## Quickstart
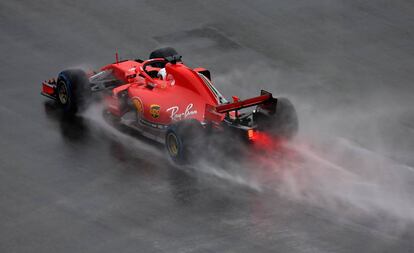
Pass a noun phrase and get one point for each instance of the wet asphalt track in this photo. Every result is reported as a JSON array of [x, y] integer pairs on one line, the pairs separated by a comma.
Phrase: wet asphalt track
[[75, 186]]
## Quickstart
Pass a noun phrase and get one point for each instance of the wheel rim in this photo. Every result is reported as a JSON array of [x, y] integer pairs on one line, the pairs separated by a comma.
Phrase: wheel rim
[[63, 93], [172, 144]]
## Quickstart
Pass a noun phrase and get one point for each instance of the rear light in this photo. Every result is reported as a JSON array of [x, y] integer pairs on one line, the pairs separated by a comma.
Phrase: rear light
[[250, 134], [261, 139]]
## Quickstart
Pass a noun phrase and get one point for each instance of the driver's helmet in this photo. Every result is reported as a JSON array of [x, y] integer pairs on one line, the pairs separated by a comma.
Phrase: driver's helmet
[[162, 74]]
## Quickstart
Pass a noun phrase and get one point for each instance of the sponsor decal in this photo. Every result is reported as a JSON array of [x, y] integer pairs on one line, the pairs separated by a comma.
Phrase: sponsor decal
[[138, 104], [175, 115], [155, 111]]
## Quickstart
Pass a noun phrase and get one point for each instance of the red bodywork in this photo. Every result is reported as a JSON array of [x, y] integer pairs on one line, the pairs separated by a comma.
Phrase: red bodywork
[[184, 94]]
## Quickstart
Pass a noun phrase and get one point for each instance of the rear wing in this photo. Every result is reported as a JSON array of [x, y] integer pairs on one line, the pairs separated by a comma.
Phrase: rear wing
[[266, 102], [265, 99]]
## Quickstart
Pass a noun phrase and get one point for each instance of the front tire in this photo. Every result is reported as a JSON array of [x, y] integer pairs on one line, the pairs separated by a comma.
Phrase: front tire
[[163, 52], [73, 90]]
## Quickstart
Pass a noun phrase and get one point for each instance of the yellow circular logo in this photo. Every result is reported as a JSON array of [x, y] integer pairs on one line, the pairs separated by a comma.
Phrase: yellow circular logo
[[155, 111]]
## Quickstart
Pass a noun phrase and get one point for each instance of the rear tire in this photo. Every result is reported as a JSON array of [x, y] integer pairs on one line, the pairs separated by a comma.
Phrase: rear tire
[[183, 141], [73, 90], [283, 123]]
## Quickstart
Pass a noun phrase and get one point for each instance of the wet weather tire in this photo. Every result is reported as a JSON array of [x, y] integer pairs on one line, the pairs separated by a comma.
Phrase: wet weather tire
[[283, 123], [163, 52], [73, 90], [183, 141]]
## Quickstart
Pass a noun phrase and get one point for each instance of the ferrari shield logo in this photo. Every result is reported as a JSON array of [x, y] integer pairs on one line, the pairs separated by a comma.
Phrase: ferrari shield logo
[[138, 105], [155, 111]]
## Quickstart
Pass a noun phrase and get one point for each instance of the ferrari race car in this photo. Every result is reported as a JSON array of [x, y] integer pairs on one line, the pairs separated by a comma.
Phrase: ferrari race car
[[167, 101]]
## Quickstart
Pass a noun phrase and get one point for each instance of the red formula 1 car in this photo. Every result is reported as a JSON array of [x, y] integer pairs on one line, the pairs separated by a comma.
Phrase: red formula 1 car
[[167, 101]]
